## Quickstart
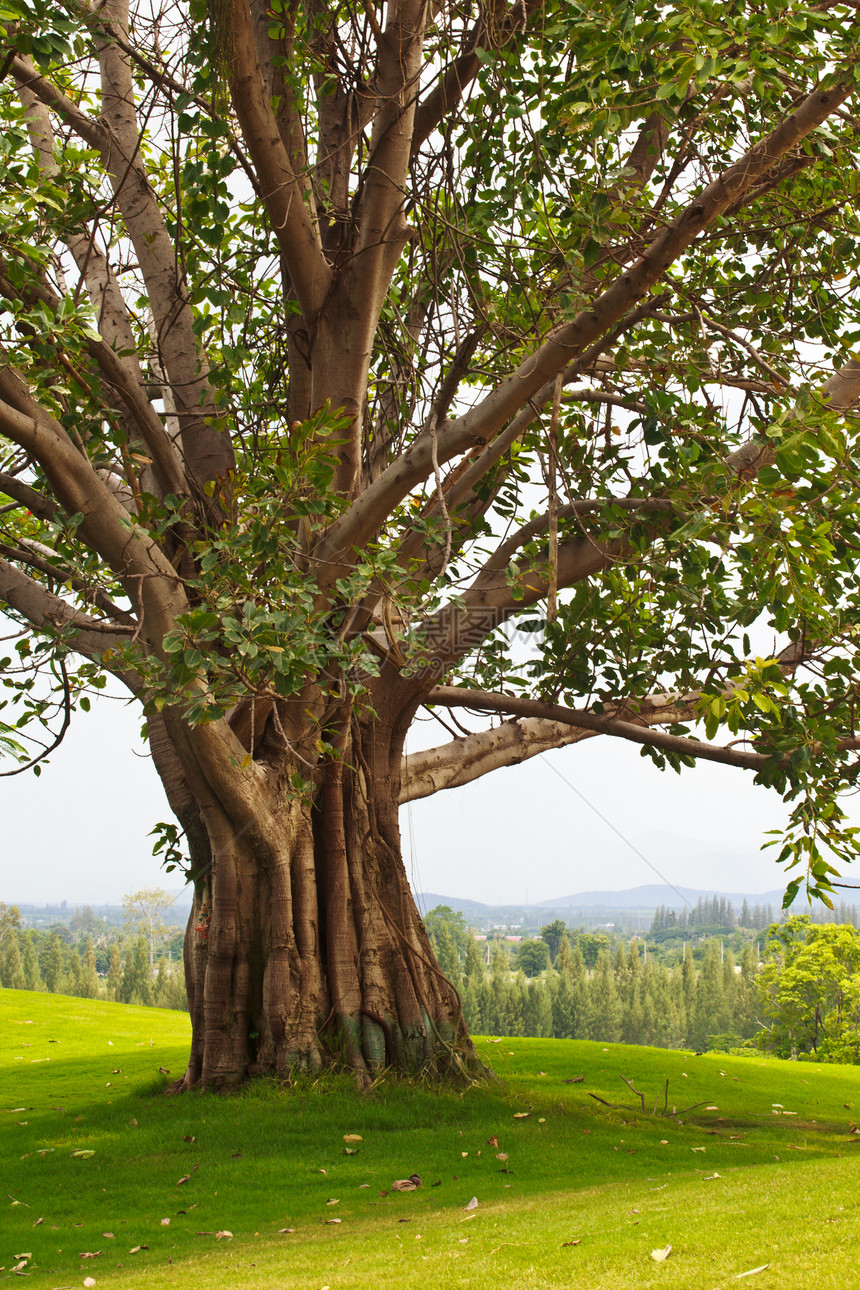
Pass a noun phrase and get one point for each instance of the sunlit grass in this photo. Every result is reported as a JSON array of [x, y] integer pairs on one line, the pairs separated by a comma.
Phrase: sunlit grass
[[584, 1195]]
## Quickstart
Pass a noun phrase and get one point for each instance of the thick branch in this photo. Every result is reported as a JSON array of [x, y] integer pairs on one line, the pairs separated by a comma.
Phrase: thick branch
[[469, 757], [382, 230], [48, 612], [37, 504], [146, 573], [483, 423], [840, 392], [40, 558], [465, 759], [117, 353], [122, 373], [207, 450], [495, 594], [115, 136], [286, 195], [85, 127]]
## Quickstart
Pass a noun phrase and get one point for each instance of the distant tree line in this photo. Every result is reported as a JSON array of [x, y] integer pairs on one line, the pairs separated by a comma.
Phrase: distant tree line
[[794, 991], [584, 985], [718, 912], [710, 912], [798, 998], [93, 962]]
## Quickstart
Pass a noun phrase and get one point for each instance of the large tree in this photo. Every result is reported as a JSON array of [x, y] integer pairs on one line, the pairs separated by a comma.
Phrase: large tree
[[342, 338]]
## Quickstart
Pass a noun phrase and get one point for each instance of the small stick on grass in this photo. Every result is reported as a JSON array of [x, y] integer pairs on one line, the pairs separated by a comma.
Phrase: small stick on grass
[[641, 1096]]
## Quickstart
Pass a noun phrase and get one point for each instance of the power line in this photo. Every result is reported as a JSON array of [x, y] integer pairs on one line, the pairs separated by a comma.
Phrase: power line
[[618, 833]]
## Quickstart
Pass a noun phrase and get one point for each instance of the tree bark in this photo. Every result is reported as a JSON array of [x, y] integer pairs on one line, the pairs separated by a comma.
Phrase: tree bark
[[304, 947]]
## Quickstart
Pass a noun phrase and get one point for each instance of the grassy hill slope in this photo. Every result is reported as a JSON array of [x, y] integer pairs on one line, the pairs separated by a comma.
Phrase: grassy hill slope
[[570, 1191]]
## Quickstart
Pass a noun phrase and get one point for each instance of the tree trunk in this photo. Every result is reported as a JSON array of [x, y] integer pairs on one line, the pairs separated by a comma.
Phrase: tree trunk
[[304, 947]]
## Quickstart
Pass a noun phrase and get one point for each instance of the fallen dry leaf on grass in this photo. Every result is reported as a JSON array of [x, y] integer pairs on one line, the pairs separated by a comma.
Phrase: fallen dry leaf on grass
[[751, 1273], [224, 1235], [660, 1256], [333, 1220], [521, 1115], [352, 1137], [412, 1183], [565, 1244], [87, 1254], [89, 1281], [473, 1203], [283, 1231], [165, 1222], [493, 1141]]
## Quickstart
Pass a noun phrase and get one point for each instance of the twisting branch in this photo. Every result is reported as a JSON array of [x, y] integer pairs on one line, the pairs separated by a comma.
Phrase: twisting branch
[[486, 701], [483, 701], [453, 82], [61, 733]]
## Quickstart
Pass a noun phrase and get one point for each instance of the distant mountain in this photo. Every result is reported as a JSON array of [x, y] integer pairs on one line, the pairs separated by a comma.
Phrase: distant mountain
[[643, 900], [654, 894], [468, 908]]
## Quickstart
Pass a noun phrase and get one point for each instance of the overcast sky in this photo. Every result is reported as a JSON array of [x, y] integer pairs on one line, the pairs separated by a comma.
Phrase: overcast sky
[[79, 832]]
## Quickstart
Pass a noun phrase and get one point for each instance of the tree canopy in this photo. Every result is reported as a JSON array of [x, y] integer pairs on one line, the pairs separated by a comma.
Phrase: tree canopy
[[342, 344]]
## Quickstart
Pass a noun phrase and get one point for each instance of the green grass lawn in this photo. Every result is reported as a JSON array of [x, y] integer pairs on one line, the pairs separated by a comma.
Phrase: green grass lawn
[[576, 1193]]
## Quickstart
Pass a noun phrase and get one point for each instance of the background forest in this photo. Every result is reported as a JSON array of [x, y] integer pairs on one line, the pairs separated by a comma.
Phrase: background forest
[[703, 979]]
